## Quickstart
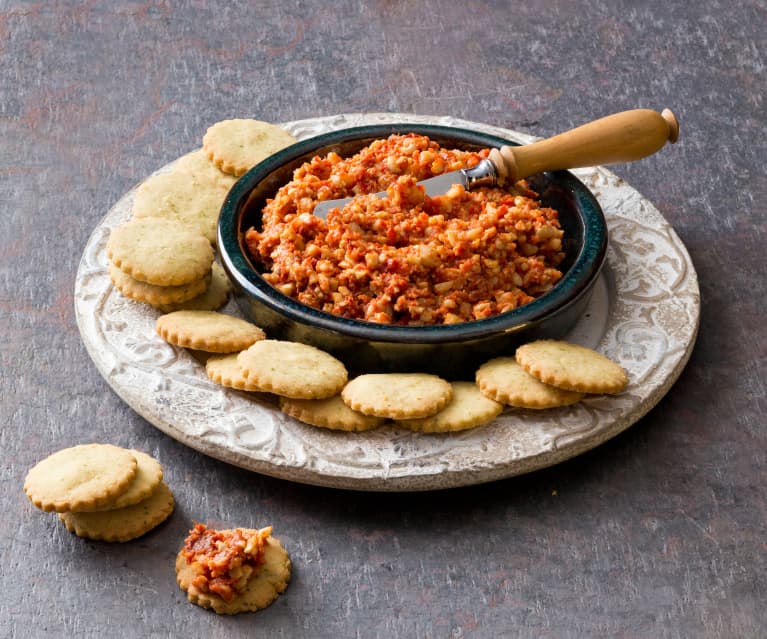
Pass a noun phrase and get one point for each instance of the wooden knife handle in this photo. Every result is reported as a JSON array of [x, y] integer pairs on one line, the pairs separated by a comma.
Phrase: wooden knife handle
[[621, 137]]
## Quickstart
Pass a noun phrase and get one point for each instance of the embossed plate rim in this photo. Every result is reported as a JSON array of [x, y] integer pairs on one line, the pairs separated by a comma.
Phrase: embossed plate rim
[[169, 388]]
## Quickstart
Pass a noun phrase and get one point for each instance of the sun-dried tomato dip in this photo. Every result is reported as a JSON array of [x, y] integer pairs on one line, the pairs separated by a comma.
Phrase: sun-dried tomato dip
[[224, 560], [407, 258]]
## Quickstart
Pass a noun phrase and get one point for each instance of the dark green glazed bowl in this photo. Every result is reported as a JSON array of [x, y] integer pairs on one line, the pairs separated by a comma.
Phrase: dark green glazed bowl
[[453, 351]]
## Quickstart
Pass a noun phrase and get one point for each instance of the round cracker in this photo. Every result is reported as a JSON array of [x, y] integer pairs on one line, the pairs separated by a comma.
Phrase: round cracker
[[269, 581], [160, 251], [211, 299], [571, 367], [330, 413], [80, 478], [208, 331], [226, 371], [122, 524], [192, 200], [397, 395], [198, 164], [505, 381], [152, 294], [236, 145], [468, 408], [292, 369]]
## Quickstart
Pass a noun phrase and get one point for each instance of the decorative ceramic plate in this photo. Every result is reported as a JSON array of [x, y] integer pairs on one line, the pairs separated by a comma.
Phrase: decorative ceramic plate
[[644, 314]]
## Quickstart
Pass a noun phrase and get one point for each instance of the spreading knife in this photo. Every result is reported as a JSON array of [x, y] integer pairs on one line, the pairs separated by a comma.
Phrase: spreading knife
[[620, 137]]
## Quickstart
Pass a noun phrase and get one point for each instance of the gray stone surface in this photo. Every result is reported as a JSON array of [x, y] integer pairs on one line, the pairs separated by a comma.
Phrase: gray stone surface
[[659, 532]]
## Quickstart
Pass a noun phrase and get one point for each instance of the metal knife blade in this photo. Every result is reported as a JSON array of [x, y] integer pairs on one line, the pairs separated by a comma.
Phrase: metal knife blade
[[484, 174]]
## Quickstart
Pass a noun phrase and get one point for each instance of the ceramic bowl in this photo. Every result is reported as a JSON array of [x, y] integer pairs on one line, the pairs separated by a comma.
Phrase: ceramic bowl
[[453, 351]]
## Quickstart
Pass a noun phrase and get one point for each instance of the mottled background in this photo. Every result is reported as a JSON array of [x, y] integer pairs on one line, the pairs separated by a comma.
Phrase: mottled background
[[658, 533]]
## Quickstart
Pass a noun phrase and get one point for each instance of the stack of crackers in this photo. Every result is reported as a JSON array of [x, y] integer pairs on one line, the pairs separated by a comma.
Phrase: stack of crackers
[[164, 255], [101, 491]]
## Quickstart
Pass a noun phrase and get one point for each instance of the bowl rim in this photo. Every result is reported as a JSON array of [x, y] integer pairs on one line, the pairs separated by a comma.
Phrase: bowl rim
[[575, 282]]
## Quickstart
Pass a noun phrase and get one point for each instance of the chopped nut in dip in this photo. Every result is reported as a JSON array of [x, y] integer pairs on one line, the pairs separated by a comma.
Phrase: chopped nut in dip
[[224, 560], [406, 259]]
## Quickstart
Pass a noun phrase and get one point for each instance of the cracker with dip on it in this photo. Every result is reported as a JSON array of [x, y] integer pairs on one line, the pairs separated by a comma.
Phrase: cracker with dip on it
[[101, 491], [233, 570]]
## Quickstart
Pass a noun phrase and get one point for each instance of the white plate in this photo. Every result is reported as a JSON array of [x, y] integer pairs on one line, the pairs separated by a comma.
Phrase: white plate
[[644, 314]]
